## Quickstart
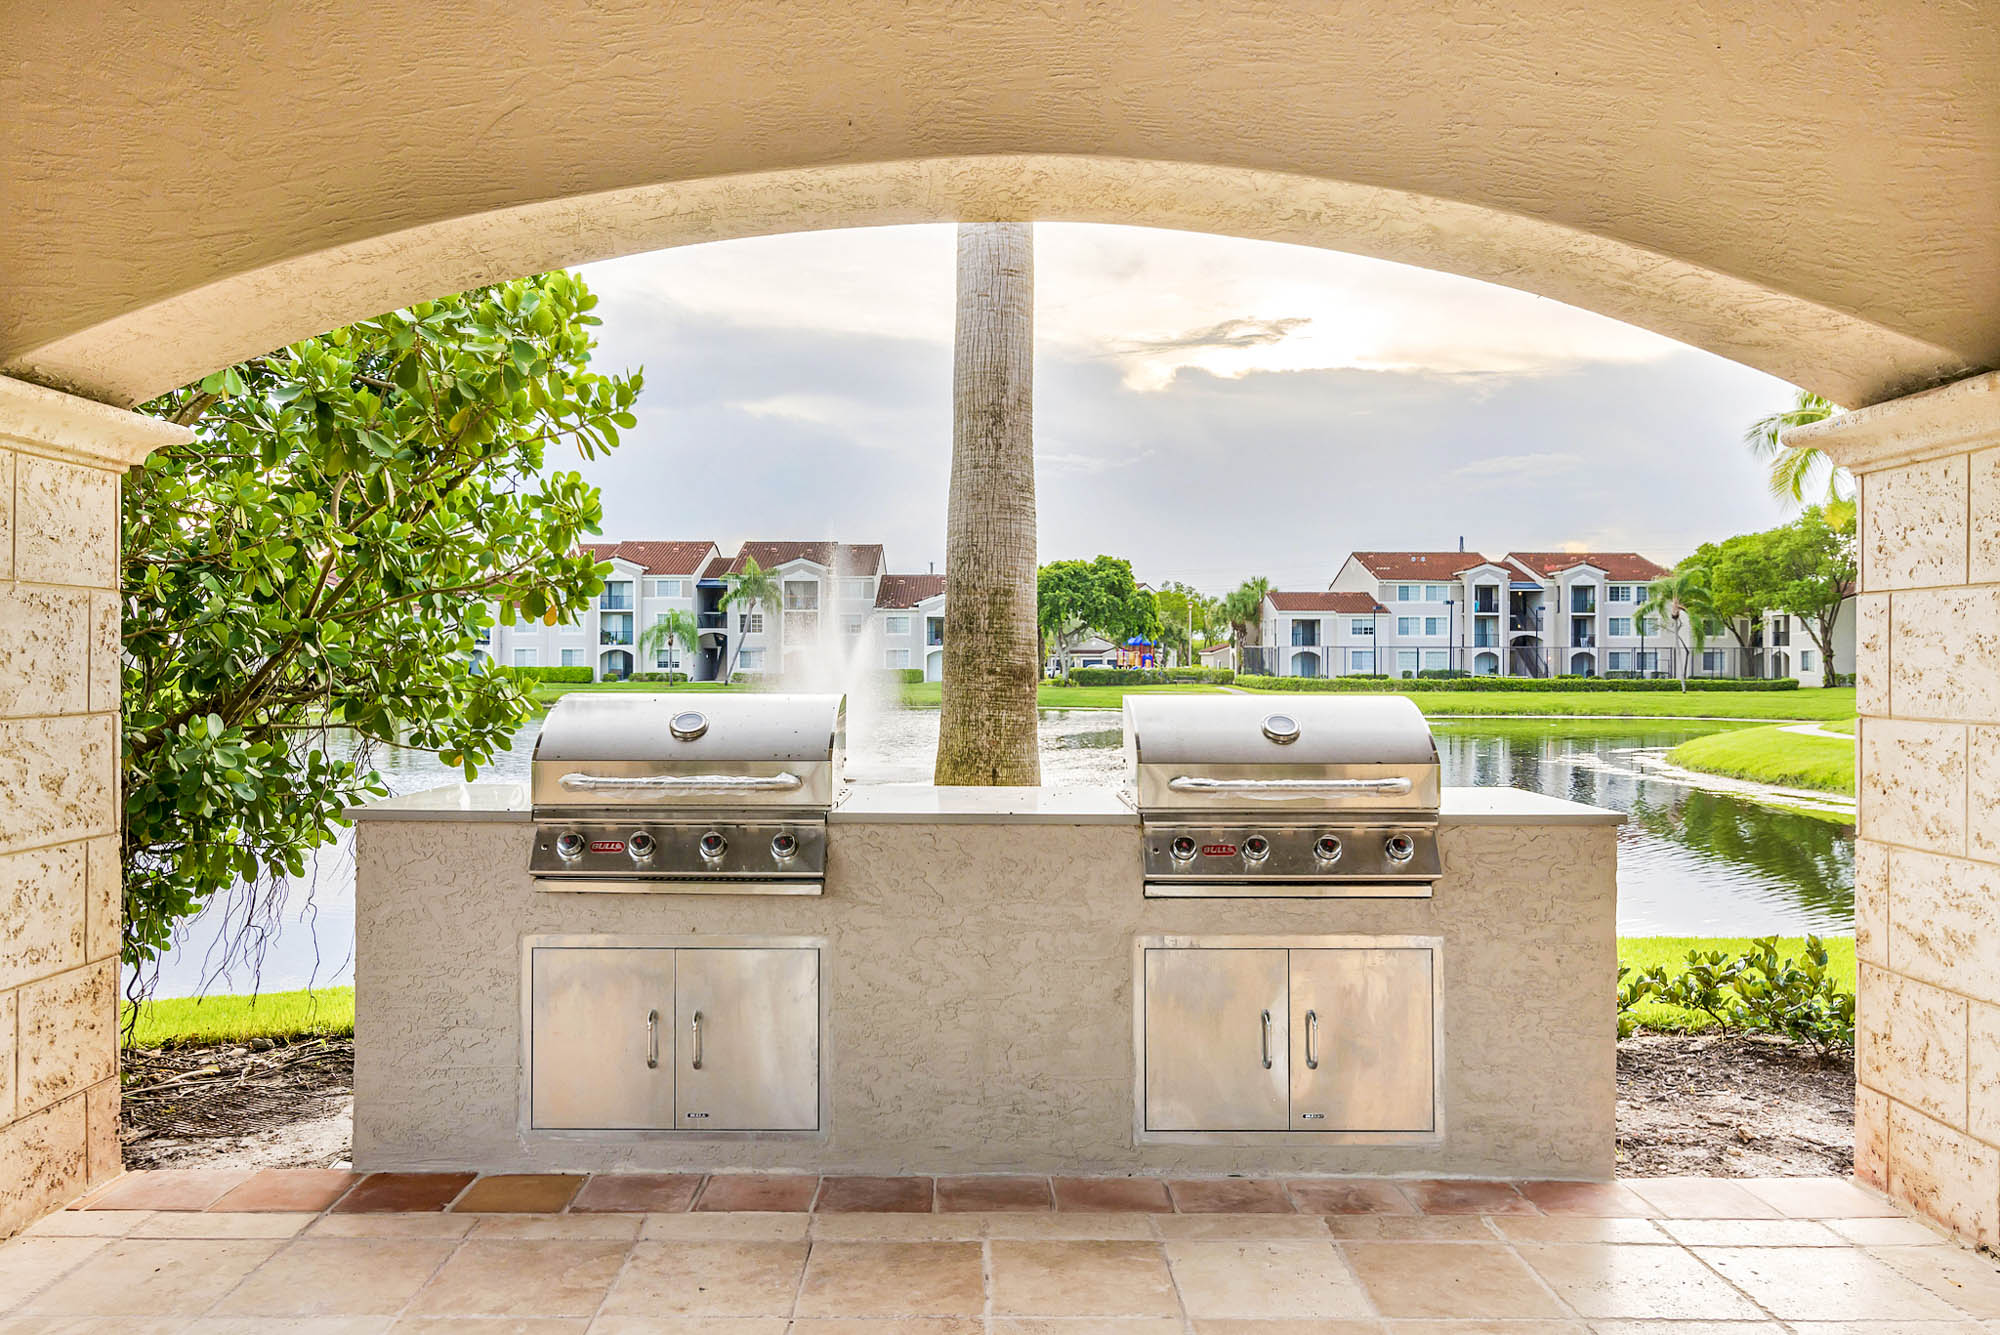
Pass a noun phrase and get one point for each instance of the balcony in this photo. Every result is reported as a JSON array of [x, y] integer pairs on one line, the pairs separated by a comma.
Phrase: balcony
[[1582, 640], [711, 621], [1530, 622], [620, 601], [609, 635], [1583, 602], [1485, 638], [1483, 606]]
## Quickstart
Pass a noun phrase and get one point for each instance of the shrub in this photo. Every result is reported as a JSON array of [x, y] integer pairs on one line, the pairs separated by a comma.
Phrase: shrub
[[1756, 992], [1443, 674], [909, 676], [554, 674], [1149, 676], [1553, 684], [668, 677]]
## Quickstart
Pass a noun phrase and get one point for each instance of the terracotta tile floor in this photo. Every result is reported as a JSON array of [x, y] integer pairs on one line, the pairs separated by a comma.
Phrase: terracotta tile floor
[[212, 1253]]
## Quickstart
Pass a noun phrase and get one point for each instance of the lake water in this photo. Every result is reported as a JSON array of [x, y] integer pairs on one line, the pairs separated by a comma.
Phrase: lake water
[[1691, 861]]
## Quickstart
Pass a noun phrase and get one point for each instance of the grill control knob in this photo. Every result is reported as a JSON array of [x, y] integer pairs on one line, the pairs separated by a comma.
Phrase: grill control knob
[[1256, 848], [1399, 847], [713, 845], [1327, 848], [640, 845], [1182, 848], [784, 847], [569, 844]]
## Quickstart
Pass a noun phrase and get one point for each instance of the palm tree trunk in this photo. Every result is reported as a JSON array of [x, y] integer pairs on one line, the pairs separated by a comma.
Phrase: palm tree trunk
[[986, 734]]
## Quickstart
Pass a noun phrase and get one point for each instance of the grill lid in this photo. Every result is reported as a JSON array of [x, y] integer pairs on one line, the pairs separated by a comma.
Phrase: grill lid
[[754, 749], [1316, 752]]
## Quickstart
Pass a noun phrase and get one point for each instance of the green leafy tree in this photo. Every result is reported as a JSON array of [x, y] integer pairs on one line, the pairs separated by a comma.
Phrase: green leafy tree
[[1243, 609], [322, 558], [754, 589], [1813, 570], [1682, 600], [1741, 582], [1796, 469], [1186, 616], [671, 633], [1073, 598]]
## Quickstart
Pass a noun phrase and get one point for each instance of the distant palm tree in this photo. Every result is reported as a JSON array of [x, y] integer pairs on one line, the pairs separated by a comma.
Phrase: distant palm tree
[[987, 726], [1682, 600], [1243, 609], [1794, 467], [758, 590], [675, 629]]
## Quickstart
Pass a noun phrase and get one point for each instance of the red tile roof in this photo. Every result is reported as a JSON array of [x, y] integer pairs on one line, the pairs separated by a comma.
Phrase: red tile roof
[[1615, 565], [842, 558], [717, 567], [908, 590], [1358, 603], [1418, 565], [655, 558]]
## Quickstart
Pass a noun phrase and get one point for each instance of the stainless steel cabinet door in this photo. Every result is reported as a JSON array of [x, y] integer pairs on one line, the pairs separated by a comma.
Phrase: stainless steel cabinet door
[[601, 1044], [1215, 1040], [747, 1023], [1362, 1033]]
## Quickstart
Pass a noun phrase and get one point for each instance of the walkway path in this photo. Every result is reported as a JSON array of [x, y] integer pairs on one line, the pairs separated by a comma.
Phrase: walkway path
[[996, 1256]]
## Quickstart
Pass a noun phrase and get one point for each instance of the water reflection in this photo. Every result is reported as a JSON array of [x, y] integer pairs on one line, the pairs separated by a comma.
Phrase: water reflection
[[1690, 862]]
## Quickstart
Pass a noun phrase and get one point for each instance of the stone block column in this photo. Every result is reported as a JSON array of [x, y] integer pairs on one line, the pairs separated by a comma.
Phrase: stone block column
[[60, 461], [1927, 870]]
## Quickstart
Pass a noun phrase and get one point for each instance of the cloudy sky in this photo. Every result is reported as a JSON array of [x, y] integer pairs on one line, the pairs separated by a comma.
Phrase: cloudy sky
[[1210, 408]]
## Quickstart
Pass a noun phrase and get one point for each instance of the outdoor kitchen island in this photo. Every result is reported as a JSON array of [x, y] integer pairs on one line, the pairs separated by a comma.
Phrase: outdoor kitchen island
[[968, 994]]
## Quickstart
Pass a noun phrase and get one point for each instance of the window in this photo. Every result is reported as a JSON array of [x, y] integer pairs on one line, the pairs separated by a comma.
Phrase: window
[[1619, 593], [1408, 625], [1360, 627], [801, 595], [1436, 593], [933, 630], [1620, 660], [895, 659], [572, 658], [899, 625], [851, 624], [751, 660], [1781, 632], [1433, 625], [1621, 625], [750, 623], [669, 588], [617, 596], [524, 658], [857, 588], [1406, 661], [1807, 661], [1406, 593], [1305, 633], [1437, 658], [1583, 598], [1360, 660], [1711, 660], [1649, 661]]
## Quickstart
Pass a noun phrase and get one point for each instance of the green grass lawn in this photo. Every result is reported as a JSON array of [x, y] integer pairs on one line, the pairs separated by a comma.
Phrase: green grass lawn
[[330, 1010], [202, 1020], [1801, 705], [1844, 726], [546, 693], [929, 694], [1772, 755], [1642, 952]]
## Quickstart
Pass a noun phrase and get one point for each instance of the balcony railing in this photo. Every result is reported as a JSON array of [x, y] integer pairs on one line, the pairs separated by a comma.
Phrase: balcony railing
[[614, 602], [1525, 621], [1485, 639], [711, 620], [1485, 607], [1583, 606], [1577, 641], [607, 636]]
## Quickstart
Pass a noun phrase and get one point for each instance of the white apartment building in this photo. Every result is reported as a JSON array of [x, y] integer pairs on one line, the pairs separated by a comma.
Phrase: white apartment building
[[835, 607], [1526, 614]]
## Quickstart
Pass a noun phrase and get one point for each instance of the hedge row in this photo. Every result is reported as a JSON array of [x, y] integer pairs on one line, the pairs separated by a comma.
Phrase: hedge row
[[1149, 676], [558, 674], [1377, 684]]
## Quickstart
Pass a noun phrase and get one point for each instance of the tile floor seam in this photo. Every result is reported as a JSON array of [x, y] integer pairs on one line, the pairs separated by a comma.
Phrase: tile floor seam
[[630, 1251], [1513, 1249], [1742, 1292], [985, 1277], [1347, 1263], [104, 1244], [404, 1312], [1174, 1279], [242, 1279]]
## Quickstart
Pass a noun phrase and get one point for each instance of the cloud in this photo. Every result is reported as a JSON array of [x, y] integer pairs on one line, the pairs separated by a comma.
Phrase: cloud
[[1234, 333], [1509, 465]]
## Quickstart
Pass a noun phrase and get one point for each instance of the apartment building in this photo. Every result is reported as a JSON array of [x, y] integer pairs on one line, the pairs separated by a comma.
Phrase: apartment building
[[835, 606]]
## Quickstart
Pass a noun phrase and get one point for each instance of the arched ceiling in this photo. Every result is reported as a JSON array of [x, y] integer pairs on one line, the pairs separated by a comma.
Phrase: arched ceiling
[[1811, 187]]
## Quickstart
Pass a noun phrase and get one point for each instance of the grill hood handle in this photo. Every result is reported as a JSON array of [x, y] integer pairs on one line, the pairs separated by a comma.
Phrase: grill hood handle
[[782, 782], [1188, 783]]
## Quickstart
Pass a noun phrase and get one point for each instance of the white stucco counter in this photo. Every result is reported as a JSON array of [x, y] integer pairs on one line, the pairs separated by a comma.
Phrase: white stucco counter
[[980, 967]]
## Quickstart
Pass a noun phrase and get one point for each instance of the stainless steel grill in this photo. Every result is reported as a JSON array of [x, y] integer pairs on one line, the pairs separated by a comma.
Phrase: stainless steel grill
[[1284, 795], [716, 794]]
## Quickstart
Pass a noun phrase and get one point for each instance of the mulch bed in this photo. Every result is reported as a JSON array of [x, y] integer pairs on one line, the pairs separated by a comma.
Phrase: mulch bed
[[1732, 1106], [1707, 1105]]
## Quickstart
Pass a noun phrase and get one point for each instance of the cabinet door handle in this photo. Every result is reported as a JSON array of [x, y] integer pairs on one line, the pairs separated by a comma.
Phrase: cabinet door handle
[[1312, 1040], [695, 1025], [1266, 1027], [652, 1040]]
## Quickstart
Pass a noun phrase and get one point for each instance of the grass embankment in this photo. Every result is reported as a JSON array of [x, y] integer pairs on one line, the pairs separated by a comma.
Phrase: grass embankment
[[1774, 756], [1806, 705], [546, 693], [930, 694], [202, 1020], [330, 1010], [1642, 952]]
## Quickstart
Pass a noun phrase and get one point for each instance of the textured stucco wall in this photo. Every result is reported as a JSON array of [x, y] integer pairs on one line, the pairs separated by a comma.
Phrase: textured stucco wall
[[59, 868], [981, 1006], [1927, 868], [1809, 186]]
